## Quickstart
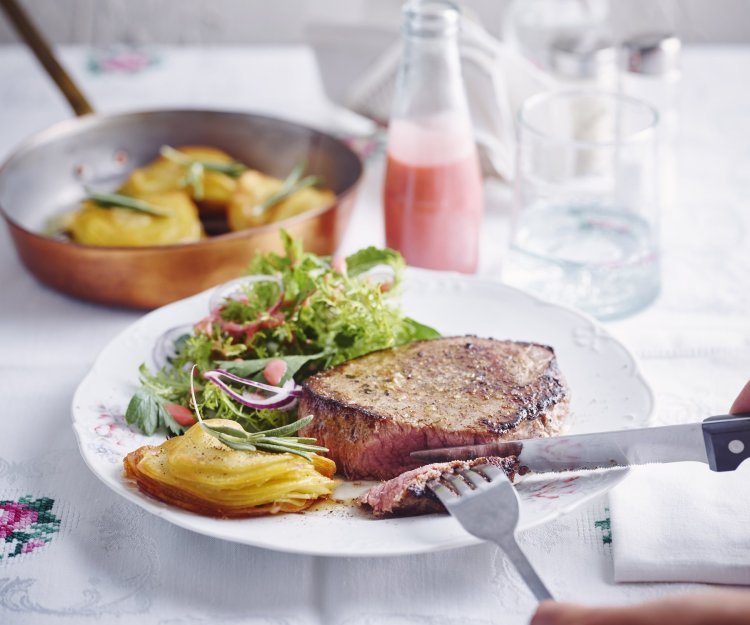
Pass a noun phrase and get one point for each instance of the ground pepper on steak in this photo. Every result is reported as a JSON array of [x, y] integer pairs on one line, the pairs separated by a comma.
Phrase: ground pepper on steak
[[373, 411]]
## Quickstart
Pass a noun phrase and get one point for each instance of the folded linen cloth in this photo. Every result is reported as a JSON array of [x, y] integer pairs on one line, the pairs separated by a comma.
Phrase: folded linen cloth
[[681, 522]]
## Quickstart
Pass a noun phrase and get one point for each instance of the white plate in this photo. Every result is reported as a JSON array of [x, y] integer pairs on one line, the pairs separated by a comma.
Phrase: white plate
[[607, 392]]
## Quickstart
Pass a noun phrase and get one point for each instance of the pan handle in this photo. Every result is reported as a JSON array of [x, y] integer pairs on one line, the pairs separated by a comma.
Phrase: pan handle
[[29, 33]]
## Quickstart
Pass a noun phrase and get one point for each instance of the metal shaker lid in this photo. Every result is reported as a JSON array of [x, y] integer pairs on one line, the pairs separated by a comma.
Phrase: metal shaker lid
[[653, 54], [588, 55]]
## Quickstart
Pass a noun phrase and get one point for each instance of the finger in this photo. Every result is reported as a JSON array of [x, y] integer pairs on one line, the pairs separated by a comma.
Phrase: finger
[[742, 403], [710, 608], [550, 613], [553, 613]]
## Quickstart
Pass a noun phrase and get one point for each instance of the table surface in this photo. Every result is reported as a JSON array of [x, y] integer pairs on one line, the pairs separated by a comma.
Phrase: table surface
[[106, 560]]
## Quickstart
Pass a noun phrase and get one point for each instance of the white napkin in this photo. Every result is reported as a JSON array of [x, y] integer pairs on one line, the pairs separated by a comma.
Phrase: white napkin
[[682, 522]]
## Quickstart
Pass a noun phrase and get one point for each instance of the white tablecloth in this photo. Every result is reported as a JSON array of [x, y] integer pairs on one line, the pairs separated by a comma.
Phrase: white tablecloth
[[97, 558]]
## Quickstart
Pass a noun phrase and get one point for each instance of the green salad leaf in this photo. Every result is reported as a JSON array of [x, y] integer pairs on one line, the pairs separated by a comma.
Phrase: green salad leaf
[[366, 259], [412, 330], [313, 315], [147, 412]]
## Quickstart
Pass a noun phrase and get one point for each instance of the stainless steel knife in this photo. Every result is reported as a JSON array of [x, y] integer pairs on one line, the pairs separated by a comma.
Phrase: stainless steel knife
[[722, 442]]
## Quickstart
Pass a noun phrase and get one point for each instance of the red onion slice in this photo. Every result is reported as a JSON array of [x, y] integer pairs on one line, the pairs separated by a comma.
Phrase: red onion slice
[[283, 398], [164, 350], [289, 387]]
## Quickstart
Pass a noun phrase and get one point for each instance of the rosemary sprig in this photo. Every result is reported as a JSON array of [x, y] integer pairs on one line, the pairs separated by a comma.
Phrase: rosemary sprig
[[275, 440], [197, 167], [194, 178], [292, 183], [234, 168], [117, 200]]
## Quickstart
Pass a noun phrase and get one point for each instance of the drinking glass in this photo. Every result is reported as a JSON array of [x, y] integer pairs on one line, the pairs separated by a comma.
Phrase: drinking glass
[[586, 211]]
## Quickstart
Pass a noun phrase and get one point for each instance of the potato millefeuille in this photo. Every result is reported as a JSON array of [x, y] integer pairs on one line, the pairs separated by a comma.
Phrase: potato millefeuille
[[200, 473]]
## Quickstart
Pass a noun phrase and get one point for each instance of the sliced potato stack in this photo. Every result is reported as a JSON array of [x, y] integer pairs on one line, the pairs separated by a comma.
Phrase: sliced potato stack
[[200, 473]]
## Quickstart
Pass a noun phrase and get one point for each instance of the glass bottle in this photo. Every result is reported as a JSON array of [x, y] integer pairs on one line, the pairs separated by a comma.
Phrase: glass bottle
[[433, 187]]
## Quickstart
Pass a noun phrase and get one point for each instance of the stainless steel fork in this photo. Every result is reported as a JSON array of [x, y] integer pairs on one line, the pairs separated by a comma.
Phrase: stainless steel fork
[[485, 503]]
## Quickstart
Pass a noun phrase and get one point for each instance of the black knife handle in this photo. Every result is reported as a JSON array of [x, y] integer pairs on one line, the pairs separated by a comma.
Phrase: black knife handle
[[727, 439]]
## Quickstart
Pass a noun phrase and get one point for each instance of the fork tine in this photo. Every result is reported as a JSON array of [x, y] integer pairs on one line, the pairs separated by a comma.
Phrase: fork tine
[[443, 492], [457, 483], [474, 478], [492, 473]]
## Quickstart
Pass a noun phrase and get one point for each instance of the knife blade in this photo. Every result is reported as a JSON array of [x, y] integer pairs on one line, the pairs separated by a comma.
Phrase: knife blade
[[722, 442]]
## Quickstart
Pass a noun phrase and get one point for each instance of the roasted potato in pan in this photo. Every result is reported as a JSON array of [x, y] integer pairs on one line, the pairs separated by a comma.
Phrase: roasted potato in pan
[[93, 224], [167, 175], [202, 189], [245, 209]]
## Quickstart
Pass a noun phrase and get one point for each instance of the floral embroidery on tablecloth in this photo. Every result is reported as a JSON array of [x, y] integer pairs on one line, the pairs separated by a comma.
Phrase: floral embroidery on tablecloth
[[122, 59], [26, 525], [606, 528]]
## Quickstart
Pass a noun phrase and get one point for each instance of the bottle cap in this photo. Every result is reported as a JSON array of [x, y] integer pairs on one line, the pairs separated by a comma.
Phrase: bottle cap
[[431, 17], [582, 57], [653, 54]]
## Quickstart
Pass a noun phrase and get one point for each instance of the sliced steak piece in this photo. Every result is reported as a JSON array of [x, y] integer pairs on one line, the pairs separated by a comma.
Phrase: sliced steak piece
[[408, 494], [373, 411]]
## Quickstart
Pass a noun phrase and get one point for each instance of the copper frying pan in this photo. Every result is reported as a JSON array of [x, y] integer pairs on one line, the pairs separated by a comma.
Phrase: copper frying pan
[[46, 175]]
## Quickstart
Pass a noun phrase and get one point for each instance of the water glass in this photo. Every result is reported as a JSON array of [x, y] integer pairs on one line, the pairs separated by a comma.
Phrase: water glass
[[586, 212]]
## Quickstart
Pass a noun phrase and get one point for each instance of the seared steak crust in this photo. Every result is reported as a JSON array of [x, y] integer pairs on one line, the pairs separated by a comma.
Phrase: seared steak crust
[[409, 495], [371, 412]]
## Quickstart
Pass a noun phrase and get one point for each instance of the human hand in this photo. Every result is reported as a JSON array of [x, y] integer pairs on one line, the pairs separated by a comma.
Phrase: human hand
[[707, 608], [725, 607], [742, 403]]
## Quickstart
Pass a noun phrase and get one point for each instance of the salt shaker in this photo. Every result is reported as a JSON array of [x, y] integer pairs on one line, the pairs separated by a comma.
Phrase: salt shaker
[[433, 195], [586, 62], [651, 72]]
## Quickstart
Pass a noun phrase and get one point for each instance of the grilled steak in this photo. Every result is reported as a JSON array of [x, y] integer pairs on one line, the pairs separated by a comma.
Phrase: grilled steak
[[373, 411], [408, 495]]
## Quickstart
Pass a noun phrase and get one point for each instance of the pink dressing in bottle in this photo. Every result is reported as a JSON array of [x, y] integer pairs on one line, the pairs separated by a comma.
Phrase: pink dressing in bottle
[[433, 193], [433, 187]]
